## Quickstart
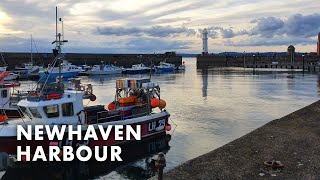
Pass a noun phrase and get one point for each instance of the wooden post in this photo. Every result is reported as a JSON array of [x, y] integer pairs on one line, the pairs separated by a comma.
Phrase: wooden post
[[160, 164]]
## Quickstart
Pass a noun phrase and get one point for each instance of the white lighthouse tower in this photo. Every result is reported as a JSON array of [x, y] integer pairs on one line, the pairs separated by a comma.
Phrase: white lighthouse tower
[[204, 42]]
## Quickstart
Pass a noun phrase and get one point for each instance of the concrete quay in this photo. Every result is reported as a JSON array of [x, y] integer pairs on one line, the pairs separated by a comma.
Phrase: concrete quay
[[294, 140]]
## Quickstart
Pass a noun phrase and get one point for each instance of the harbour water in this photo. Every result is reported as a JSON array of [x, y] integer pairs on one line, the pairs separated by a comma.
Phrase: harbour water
[[210, 107]]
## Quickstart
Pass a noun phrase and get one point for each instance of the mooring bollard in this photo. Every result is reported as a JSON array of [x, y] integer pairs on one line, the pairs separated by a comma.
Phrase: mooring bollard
[[160, 164]]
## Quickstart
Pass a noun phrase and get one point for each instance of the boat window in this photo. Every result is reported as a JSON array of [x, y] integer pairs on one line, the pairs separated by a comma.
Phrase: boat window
[[51, 111], [24, 111], [35, 113], [67, 109], [4, 93]]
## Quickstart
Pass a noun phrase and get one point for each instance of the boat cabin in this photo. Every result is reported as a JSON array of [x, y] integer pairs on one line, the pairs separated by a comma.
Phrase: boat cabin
[[8, 99], [54, 108]]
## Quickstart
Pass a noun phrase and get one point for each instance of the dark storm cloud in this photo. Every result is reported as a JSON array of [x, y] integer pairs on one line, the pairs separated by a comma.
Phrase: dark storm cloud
[[272, 31], [154, 31], [296, 25], [304, 26], [267, 27]]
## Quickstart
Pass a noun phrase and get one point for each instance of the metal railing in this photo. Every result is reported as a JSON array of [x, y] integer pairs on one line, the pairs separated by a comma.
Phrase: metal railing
[[120, 113]]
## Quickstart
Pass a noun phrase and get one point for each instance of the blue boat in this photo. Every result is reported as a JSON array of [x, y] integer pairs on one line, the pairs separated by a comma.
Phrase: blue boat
[[165, 67]]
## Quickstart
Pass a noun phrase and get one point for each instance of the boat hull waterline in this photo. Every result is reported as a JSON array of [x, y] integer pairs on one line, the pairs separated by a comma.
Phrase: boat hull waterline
[[44, 75]]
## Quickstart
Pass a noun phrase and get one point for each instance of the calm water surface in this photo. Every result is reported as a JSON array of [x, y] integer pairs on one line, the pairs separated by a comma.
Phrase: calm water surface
[[211, 107]]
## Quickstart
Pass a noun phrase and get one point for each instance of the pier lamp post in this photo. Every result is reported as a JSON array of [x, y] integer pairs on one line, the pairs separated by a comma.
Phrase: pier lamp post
[[254, 62], [244, 59]]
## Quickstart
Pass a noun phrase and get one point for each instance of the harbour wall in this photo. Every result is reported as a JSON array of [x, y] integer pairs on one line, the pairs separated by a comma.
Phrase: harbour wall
[[293, 140], [125, 60], [243, 61]]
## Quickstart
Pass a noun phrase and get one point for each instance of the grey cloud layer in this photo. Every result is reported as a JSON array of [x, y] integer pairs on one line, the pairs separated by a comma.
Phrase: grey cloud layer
[[154, 31]]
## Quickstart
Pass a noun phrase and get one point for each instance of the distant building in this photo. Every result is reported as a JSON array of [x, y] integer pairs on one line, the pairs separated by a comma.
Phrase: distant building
[[318, 45], [204, 42]]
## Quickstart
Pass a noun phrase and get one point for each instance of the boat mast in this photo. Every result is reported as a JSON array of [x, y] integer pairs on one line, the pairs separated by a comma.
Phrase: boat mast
[[59, 42], [31, 50]]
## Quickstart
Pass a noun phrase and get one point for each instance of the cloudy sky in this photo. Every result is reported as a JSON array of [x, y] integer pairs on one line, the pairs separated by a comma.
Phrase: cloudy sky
[[140, 26]]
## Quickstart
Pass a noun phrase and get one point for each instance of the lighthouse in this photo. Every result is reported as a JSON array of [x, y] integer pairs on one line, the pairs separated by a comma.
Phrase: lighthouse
[[204, 41]]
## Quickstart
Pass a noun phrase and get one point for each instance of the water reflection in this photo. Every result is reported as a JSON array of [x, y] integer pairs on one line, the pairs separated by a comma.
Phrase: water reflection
[[143, 150], [204, 82], [212, 106]]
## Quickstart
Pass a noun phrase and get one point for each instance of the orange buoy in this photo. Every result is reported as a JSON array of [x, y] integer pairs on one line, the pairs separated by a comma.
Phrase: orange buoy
[[93, 97], [3, 118], [162, 103], [154, 102], [111, 106], [168, 127]]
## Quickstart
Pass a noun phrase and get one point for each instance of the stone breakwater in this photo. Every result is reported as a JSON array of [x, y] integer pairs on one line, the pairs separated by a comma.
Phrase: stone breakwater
[[126, 60], [294, 140]]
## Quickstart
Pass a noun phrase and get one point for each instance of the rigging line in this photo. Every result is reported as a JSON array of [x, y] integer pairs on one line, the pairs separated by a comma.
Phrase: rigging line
[[54, 61], [40, 58], [175, 126], [19, 110], [51, 66]]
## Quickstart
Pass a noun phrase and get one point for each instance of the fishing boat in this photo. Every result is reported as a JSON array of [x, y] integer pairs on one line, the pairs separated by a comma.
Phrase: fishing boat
[[67, 71], [137, 102], [104, 70], [137, 69], [165, 67]]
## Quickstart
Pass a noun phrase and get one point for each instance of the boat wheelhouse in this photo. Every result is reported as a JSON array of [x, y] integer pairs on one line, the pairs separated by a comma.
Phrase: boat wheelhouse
[[9, 97]]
